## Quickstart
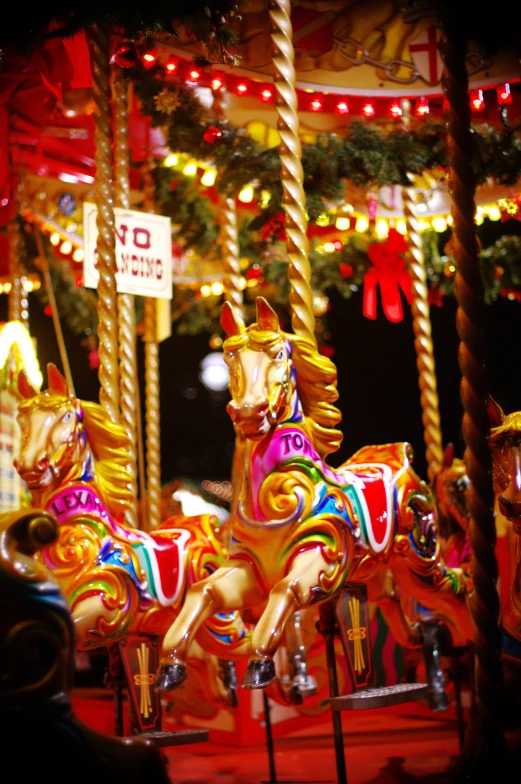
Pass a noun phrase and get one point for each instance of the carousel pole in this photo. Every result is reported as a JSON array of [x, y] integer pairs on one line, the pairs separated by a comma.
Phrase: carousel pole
[[299, 271], [152, 401], [292, 174], [129, 389], [107, 295], [421, 324], [484, 745]]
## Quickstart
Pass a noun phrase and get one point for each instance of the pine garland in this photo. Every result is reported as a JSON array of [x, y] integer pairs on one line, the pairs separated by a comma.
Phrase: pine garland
[[364, 156]]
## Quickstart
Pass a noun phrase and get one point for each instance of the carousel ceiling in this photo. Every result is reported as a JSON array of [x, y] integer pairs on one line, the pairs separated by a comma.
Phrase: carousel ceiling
[[353, 59]]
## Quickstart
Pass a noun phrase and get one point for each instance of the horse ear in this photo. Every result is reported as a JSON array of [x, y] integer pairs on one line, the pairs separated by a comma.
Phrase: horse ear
[[57, 382], [231, 320], [448, 456], [25, 387], [267, 319], [496, 415]]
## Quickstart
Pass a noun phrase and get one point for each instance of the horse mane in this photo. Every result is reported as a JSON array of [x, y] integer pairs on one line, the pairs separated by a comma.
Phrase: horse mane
[[109, 445], [316, 384], [317, 389]]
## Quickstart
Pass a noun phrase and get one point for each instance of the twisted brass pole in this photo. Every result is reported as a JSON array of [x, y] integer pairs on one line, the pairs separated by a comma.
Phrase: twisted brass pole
[[484, 743], [107, 296], [229, 241], [152, 400], [292, 175], [421, 324], [128, 375]]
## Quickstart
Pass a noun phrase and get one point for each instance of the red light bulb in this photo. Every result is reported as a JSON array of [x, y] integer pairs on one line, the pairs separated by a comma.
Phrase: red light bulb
[[395, 108], [149, 59], [316, 105], [171, 65], [217, 83], [369, 108], [241, 88], [422, 107], [194, 75], [503, 95], [266, 94], [342, 107], [476, 100]]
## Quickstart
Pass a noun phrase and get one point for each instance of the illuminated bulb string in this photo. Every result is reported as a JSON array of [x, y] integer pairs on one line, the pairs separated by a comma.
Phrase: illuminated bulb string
[[183, 70]]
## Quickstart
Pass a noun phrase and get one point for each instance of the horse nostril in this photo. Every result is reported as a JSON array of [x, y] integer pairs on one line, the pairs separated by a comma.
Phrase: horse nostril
[[43, 464]]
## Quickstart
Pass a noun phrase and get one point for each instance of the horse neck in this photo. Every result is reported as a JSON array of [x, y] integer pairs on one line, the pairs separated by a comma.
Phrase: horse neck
[[81, 468], [258, 459]]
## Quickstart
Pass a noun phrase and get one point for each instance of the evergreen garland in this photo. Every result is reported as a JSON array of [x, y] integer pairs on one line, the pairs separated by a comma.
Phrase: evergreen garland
[[365, 155]]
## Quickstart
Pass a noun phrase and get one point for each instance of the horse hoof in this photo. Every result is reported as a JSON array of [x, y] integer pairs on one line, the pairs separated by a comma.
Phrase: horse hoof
[[259, 674], [170, 676]]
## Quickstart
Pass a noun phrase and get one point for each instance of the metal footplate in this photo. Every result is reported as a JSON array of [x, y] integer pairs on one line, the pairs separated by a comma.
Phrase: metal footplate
[[178, 738], [380, 697]]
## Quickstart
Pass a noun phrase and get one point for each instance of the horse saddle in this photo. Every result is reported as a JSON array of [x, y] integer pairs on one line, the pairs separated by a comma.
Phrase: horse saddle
[[371, 473]]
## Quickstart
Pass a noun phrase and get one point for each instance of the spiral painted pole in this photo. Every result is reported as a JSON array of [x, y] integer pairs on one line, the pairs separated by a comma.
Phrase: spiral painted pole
[[153, 431], [421, 324], [128, 373], [484, 744], [152, 404], [107, 296], [292, 175], [229, 240]]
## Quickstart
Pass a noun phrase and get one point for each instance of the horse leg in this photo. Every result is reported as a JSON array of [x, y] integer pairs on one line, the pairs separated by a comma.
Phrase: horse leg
[[441, 590], [233, 586], [382, 590], [287, 596]]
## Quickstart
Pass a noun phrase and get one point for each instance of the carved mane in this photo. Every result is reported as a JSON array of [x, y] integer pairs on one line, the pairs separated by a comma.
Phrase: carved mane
[[109, 445], [317, 388]]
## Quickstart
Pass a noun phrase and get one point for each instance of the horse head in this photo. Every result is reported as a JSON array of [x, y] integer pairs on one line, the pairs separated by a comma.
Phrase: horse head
[[261, 377], [52, 430], [505, 444], [450, 484]]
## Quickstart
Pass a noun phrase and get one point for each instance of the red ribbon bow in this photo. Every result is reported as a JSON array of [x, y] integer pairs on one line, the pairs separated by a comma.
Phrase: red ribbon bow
[[388, 270]]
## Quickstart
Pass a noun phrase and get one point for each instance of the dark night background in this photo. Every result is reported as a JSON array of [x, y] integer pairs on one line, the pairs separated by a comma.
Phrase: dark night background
[[377, 379]]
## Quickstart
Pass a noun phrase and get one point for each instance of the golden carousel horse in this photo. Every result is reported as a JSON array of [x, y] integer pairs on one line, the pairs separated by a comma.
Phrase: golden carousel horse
[[505, 445], [300, 529], [118, 580]]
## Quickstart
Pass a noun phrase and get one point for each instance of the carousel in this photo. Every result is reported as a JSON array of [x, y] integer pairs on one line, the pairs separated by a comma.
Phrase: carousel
[[280, 183]]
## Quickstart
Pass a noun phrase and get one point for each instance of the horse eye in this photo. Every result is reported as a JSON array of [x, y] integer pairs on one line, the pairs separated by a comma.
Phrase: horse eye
[[280, 355], [67, 417]]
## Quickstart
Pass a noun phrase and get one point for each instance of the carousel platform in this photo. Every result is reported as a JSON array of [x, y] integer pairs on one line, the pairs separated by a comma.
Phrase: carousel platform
[[402, 743]]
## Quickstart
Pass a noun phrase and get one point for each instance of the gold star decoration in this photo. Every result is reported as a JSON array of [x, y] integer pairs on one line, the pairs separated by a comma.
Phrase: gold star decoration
[[167, 101]]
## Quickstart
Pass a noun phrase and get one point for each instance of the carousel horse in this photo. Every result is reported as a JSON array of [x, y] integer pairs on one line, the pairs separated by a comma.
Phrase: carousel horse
[[117, 580], [300, 529], [38, 729], [505, 444]]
